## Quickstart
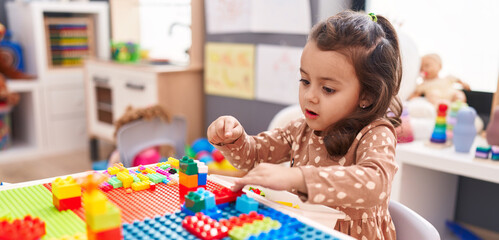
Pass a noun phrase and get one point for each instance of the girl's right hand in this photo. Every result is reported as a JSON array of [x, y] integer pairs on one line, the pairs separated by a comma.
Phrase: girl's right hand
[[224, 130]]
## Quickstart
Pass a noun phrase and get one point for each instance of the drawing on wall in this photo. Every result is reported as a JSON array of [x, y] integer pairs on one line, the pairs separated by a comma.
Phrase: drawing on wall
[[269, 16], [277, 67], [229, 70]]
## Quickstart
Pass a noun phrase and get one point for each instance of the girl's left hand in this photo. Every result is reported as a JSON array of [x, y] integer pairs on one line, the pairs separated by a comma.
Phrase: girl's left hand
[[274, 177]]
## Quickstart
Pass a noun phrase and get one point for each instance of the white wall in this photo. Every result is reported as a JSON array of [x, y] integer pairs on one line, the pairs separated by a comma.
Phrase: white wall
[[464, 33]]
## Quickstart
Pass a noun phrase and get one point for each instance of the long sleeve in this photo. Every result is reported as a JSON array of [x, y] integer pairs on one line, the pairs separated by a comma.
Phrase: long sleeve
[[363, 184], [270, 146]]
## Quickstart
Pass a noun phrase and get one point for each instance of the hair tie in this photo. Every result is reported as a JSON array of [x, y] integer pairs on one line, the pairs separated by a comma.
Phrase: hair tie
[[373, 17]]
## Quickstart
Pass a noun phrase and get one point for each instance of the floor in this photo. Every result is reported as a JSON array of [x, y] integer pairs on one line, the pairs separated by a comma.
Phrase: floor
[[50, 166]]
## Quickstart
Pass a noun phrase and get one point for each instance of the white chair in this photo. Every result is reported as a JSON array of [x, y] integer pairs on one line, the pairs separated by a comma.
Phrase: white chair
[[284, 116], [138, 135], [409, 225]]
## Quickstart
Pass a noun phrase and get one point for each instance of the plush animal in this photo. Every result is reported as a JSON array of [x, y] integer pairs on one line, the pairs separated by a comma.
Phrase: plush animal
[[5, 68]]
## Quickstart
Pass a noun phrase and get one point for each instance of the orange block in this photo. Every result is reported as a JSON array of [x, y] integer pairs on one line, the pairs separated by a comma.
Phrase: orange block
[[189, 181], [111, 234]]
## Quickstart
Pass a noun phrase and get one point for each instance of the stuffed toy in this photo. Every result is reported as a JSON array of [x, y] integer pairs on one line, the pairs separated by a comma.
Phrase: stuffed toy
[[438, 89], [5, 68]]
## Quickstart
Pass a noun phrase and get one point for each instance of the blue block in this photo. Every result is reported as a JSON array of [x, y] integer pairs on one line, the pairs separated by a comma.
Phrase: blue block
[[202, 178], [246, 204], [214, 213], [209, 198]]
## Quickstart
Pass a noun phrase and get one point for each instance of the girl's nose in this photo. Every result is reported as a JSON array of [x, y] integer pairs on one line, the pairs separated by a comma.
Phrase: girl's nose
[[311, 96]]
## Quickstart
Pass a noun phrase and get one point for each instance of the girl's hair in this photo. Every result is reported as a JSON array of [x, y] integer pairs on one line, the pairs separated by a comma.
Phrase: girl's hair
[[373, 49]]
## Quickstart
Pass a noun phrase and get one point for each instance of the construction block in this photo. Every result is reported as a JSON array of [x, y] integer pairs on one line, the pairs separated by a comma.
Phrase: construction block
[[163, 172], [194, 202], [225, 195], [139, 186], [246, 204], [142, 177], [188, 166], [111, 234], [189, 181], [173, 162], [204, 227], [254, 229], [483, 151], [494, 153], [209, 198], [115, 182], [113, 170], [125, 178], [4, 214], [95, 202], [135, 178], [202, 178], [66, 188], [202, 168], [28, 228], [104, 221], [67, 203], [105, 186], [156, 177]]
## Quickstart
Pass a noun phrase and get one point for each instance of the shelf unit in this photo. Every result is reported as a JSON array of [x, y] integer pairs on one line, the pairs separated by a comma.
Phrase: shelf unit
[[51, 116]]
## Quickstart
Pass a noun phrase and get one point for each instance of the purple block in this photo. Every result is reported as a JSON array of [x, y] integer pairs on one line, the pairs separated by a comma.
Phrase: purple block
[[481, 155]]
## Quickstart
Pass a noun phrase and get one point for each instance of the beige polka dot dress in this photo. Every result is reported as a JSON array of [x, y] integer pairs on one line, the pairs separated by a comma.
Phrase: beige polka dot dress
[[359, 183]]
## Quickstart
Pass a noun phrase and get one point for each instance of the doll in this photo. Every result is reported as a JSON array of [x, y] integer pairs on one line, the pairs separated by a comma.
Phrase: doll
[[434, 88]]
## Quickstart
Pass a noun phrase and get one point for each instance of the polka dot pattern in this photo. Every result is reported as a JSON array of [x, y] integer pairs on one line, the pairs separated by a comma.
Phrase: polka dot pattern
[[349, 183]]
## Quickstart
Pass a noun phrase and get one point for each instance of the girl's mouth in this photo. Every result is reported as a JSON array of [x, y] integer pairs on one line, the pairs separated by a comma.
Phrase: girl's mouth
[[311, 114]]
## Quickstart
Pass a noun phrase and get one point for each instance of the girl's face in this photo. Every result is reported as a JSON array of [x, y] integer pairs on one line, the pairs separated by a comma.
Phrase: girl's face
[[329, 88]]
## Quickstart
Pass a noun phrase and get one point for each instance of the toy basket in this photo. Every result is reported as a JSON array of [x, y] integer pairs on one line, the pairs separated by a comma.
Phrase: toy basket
[[4, 128]]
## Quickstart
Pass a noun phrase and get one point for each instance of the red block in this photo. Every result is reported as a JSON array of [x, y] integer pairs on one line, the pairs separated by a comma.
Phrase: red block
[[205, 227], [28, 228], [111, 234], [68, 203], [225, 195]]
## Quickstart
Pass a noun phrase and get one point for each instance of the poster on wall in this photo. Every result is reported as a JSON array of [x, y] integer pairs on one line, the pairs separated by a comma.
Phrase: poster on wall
[[266, 16], [229, 70], [277, 67]]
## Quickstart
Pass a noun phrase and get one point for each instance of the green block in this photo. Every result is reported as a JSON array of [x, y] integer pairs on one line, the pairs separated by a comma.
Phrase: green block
[[188, 166], [135, 178], [37, 202], [484, 148], [164, 166], [115, 182], [156, 177], [110, 219], [194, 202]]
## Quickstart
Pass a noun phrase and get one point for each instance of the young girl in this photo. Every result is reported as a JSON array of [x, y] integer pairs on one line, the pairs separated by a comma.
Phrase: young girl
[[342, 154]]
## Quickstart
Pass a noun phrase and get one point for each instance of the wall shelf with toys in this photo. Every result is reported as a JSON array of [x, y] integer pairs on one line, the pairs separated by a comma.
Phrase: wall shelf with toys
[[56, 37]]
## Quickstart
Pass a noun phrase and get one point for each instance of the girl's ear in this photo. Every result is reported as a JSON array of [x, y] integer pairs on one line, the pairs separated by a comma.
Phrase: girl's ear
[[366, 100]]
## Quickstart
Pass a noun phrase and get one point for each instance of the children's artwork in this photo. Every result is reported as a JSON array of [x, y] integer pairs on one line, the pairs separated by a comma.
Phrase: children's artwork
[[277, 67], [275, 16], [229, 70]]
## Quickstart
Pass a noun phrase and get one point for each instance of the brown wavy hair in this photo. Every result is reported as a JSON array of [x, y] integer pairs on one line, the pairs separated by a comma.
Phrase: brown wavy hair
[[373, 49]]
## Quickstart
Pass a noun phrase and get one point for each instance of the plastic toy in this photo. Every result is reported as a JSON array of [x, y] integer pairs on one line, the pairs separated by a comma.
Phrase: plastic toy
[[28, 228], [464, 130], [66, 193], [482, 152], [494, 153], [493, 128], [404, 131], [439, 132], [246, 204]]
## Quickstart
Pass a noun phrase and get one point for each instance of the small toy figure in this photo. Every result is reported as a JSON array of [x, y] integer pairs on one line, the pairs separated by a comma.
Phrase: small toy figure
[[464, 130], [434, 88]]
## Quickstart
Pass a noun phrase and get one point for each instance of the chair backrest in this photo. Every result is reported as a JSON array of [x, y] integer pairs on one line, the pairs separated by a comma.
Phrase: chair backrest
[[138, 135], [285, 115], [409, 225]]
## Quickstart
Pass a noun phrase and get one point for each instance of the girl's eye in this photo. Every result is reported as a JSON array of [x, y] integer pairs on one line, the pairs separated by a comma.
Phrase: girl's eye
[[304, 82], [328, 90]]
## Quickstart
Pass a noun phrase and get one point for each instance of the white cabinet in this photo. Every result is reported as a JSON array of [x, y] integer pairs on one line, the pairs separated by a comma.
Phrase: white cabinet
[[54, 103], [112, 87]]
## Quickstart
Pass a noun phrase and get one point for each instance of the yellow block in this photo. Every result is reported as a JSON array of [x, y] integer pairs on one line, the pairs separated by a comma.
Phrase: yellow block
[[113, 170], [94, 202], [66, 188], [441, 120], [126, 178], [173, 162], [139, 186], [149, 170], [110, 219], [285, 203], [142, 177]]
